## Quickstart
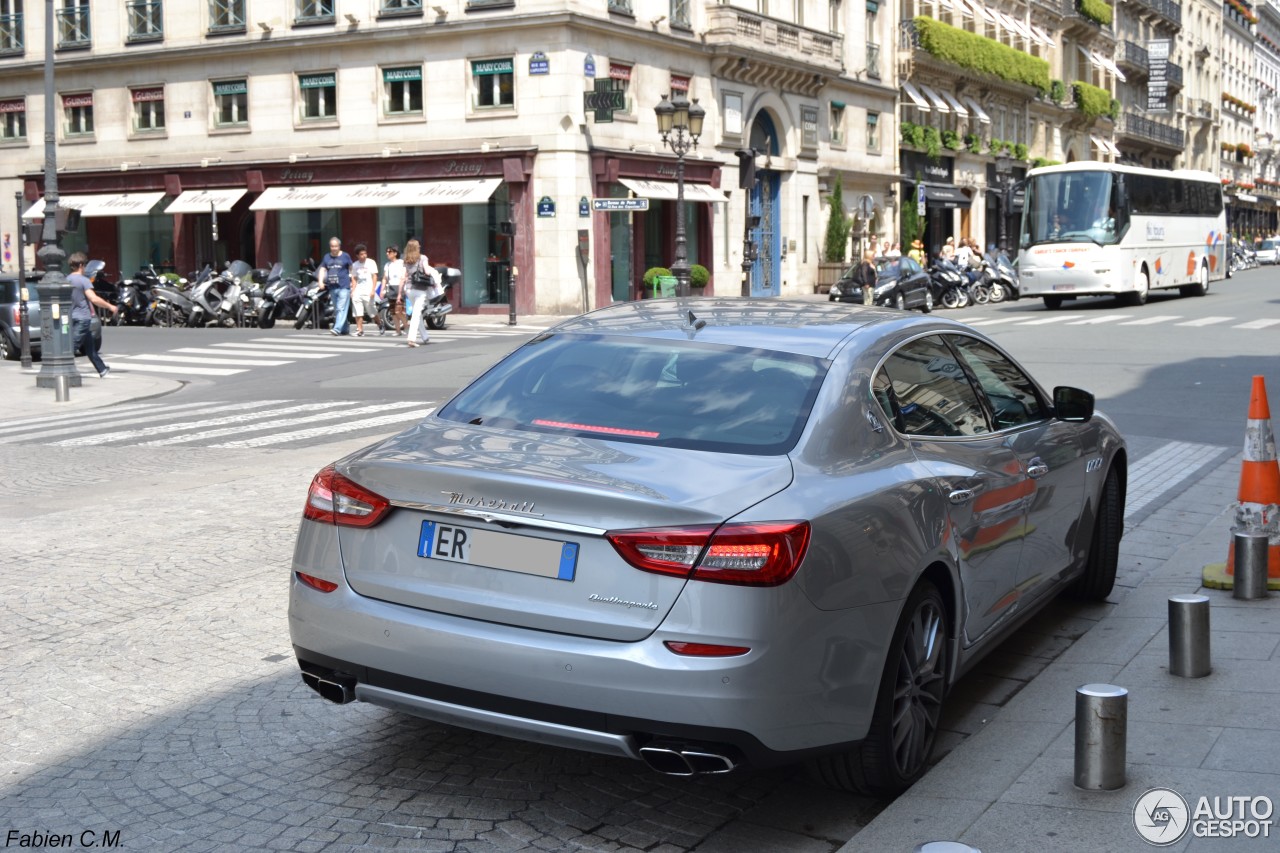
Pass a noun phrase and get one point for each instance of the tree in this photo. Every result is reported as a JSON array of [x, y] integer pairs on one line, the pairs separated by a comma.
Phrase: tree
[[838, 225], [912, 223]]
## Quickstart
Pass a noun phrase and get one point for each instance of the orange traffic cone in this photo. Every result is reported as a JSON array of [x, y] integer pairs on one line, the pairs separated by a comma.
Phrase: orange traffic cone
[[1259, 495]]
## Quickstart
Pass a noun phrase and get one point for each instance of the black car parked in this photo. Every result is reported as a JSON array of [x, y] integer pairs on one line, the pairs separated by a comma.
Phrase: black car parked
[[900, 283], [10, 318]]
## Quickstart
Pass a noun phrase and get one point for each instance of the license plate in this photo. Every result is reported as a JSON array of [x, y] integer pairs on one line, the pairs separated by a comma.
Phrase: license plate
[[493, 549], [1064, 287]]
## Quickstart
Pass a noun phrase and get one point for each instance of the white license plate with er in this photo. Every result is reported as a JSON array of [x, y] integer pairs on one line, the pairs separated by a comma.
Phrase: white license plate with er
[[494, 549]]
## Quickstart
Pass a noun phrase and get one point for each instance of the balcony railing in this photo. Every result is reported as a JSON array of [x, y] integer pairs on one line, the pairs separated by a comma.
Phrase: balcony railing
[[1173, 73], [11, 35], [314, 12], [1166, 9], [1133, 55], [73, 27], [146, 21], [1132, 124], [873, 60], [729, 26]]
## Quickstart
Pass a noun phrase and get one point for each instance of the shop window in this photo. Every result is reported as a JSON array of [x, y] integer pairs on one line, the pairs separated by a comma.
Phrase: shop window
[[402, 91], [873, 133], [837, 123], [73, 25], [226, 16], [77, 115], [318, 96], [11, 35], [13, 120], [493, 83], [231, 103], [148, 109], [679, 83], [314, 12], [146, 20], [620, 74]]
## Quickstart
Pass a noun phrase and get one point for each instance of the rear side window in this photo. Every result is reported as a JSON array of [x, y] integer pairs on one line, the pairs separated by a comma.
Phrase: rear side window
[[932, 392], [664, 392]]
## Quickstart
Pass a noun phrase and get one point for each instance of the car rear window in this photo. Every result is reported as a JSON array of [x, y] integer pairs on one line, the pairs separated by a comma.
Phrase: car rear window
[[663, 392], [1268, 244]]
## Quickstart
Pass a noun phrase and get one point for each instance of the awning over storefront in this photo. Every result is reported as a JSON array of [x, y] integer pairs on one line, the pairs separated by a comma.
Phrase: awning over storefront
[[110, 204], [946, 197], [1246, 197], [1043, 37], [935, 99], [202, 201], [1099, 144], [400, 194], [914, 94], [978, 110], [666, 190], [955, 104]]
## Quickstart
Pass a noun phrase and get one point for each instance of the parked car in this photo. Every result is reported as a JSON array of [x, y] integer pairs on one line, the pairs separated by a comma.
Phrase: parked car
[[708, 532], [10, 318], [1269, 251], [900, 283]]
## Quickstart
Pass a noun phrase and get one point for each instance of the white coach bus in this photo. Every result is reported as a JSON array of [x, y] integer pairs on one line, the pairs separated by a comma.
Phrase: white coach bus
[[1099, 229]]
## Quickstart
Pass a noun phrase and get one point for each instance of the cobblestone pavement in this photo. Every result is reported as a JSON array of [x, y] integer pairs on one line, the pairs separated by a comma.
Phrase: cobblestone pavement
[[149, 688]]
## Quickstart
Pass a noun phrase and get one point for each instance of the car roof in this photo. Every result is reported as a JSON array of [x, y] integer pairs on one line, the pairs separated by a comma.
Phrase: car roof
[[814, 329]]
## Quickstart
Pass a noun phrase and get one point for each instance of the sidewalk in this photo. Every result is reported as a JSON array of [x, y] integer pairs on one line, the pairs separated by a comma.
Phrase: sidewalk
[[1009, 787]]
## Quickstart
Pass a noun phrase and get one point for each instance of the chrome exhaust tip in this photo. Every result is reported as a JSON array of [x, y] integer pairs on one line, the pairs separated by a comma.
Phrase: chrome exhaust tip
[[675, 759], [337, 688]]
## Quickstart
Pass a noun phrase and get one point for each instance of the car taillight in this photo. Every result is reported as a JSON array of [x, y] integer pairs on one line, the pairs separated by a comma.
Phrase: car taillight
[[749, 554], [336, 499]]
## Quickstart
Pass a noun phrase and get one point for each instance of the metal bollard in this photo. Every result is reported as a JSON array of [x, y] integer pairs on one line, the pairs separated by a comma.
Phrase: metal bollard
[[1189, 636], [1102, 717], [1250, 565], [62, 387]]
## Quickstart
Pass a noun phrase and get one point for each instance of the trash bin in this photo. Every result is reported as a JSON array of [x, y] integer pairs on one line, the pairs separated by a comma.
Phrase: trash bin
[[664, 285]]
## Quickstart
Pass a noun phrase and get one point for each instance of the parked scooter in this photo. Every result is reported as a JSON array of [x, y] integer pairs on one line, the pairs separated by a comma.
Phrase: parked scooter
[[216, 300], [280, 297], [133, 301], [316, 309], [96, 272], [951, 286], [439, 306], [172, 306]]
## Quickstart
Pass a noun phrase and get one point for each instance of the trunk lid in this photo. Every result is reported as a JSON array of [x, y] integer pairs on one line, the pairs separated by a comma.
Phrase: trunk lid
[[532, 510]]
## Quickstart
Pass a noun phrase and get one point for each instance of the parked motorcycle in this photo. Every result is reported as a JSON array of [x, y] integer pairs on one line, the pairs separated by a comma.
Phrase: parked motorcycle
[[439, 306], [316, 309], [96, 272], [216, 299], [171, 305], [280, 297], [1004, 278], [950, 285], [133, 302]]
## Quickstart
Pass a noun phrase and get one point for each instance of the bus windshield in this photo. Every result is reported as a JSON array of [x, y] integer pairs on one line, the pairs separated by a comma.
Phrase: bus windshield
[[1071, 207]]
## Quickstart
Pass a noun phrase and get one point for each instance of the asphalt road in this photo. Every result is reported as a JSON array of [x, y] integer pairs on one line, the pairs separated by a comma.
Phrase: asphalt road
[[148, 673]]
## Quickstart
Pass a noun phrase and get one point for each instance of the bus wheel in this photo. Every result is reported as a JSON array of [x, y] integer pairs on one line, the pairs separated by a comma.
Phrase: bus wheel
[[1052, 303], [1139, 297], [1201, 287]]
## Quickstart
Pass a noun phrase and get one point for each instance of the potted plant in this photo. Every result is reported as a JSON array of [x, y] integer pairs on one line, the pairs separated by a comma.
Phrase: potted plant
[[699, 276]]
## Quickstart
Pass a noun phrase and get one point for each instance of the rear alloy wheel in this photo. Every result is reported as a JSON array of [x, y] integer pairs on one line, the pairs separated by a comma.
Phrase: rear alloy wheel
[[1052, 303], [7, 350], [1104, 548], [908, 705]]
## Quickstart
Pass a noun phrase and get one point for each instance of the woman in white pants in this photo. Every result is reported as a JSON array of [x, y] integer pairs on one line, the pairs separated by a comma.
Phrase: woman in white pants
[[416, 266]]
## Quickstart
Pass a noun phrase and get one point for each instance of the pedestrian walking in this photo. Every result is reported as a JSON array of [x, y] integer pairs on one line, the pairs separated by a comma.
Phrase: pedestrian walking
[[393, 281], [364, 272], [423, 283], [867, 277], [334, 275], [83, 299]]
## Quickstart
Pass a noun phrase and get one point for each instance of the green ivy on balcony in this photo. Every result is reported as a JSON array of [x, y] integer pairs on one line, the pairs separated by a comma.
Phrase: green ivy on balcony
[[1092, 101], [979, 53], [1097, 11]]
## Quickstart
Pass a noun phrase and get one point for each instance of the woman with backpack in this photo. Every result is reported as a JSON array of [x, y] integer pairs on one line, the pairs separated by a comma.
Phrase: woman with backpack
[[422, 282]]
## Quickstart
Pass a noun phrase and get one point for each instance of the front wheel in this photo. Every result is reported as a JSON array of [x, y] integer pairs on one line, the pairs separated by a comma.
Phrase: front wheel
[[951, 298], [997, 292], [900, 302], [908, 705], [1137, 298], [927, 307], [437, 322], [981, 295]]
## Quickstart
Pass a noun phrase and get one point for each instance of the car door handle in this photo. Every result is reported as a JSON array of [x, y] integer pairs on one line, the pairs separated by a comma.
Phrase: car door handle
[[1037, 470], [961, 496]]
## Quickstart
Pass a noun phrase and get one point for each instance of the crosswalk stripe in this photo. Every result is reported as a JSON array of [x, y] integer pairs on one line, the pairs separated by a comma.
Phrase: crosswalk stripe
[[291, 349], [329, 342], [205, 435], [253, 352], [995, 321], [1151, 321], [195, 359], [1044, 321], [1256, 324], [1109, 318], [242, 421], [34, 425], [316, 432], [168, 368], [1205, 321], [150, 415]]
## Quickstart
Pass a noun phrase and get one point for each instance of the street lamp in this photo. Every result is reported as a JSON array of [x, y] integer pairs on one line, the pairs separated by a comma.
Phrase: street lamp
[[57, 349], [1004, 169], [680, 123], [24, 336]]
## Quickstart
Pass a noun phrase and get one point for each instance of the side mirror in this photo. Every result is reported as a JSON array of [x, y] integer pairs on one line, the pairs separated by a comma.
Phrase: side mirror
[[1072, 404]]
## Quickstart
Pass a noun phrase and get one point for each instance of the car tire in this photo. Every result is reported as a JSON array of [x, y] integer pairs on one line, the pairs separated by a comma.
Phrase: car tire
[[908, 705], [927, 307], [7, 350], [900, 302], [1104, 547], [1201, 287], [1052, 303]]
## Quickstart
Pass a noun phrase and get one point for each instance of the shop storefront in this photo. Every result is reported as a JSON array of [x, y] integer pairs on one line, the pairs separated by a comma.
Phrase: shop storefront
[[932, 182], [627, 242]]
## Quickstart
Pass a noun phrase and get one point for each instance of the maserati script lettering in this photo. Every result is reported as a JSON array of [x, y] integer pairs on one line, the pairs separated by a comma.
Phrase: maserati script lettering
[[496, 504], [613, 599]]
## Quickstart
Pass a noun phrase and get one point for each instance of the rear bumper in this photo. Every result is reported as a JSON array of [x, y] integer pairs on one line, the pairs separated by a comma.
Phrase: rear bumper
[[791, 697]]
